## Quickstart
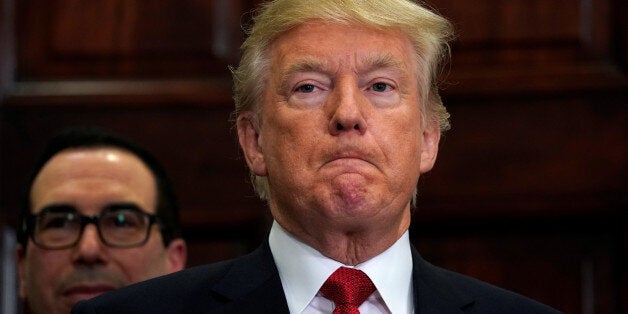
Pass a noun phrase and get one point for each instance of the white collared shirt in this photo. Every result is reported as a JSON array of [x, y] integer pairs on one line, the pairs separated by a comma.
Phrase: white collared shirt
[[303, 270]]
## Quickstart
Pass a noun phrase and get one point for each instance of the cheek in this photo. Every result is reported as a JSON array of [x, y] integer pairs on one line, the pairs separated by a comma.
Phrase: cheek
[[133, 265], [139, 264], [47, 264], [289, 135], [401, 141], [42, 269], [401, 126]]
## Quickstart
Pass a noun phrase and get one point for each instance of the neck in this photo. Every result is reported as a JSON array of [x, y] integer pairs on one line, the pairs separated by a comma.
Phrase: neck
[[352, 244]]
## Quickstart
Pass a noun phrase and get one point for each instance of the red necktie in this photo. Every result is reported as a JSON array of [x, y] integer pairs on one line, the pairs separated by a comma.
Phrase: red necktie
[[348, 288]]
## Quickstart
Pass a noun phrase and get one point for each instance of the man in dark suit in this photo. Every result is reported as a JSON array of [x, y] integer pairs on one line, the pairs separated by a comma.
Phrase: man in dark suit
[[338, 114]]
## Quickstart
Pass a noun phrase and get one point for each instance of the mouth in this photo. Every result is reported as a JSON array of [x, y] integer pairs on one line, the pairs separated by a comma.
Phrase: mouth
[[348, 159], [347, 153], [349, 162], [86, 291]]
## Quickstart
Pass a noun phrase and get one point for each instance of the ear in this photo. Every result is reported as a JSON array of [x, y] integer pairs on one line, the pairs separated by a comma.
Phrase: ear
[[177, 254], [21, 269], [249, 137], [429, 149]]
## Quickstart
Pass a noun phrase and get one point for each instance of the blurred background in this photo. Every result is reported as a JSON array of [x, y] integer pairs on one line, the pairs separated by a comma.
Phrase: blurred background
[[530, 188]]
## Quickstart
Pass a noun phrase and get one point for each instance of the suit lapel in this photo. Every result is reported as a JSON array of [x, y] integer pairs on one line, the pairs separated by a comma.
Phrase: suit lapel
[[434, 293], [253, 285]]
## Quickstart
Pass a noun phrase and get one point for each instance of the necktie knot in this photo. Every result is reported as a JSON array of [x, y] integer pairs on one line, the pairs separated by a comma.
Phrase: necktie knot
[[348, 288]]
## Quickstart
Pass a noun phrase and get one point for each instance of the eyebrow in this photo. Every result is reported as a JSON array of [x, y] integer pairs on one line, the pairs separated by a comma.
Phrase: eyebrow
[[307, 64], [388, 63], [63, 208], [117, 206], [56, 208], [381, 61]]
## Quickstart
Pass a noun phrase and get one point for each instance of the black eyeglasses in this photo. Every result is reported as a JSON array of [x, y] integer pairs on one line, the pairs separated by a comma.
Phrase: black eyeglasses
[[61, 227]]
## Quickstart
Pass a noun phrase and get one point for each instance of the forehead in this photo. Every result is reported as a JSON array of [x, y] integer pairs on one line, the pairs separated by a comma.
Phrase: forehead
[[325, 44], [94, 176]]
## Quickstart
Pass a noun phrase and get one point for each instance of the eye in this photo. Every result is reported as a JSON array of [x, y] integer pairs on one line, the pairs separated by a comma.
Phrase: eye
[[122, 219], [305, 88], [380, 87], [56, 221]]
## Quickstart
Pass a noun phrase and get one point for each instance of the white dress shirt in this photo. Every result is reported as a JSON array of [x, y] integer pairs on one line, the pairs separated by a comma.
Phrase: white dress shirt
[[303, 270]]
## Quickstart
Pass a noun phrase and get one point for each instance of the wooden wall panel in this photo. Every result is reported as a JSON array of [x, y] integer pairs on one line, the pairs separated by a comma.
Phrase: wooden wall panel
[[539, 155], [124, 39], [532, 46]]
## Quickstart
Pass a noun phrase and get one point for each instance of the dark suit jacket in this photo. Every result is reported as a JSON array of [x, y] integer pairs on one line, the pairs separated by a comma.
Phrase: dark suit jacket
[[251, 284]]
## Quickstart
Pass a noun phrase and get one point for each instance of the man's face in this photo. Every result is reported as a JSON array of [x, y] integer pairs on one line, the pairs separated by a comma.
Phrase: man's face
[[340, 136], [90, 180]]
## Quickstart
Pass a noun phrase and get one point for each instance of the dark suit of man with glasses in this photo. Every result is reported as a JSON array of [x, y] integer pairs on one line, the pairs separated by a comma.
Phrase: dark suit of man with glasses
[[100, 214]]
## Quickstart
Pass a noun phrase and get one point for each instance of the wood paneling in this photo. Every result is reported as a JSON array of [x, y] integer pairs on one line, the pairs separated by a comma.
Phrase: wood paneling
[[121, 39], [535, 46], [536, 155]]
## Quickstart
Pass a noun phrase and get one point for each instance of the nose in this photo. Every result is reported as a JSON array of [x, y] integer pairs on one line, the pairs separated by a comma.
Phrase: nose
[[90, 249], [349, 105]]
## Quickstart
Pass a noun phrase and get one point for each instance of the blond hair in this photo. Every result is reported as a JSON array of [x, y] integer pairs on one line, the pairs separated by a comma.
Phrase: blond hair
[[428, 32]]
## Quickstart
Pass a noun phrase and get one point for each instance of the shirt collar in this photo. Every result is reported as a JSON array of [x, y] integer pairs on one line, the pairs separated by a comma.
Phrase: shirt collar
[[303, 270]]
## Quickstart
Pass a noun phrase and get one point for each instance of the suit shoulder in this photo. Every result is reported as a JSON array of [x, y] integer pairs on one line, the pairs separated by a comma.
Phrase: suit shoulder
[[483, 297], [164, 294]]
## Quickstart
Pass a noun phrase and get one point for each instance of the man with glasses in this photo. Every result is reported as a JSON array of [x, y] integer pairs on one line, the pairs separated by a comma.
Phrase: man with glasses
[[100, 214]]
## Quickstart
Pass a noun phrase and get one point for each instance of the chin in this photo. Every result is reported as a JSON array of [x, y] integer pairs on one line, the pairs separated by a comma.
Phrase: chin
[[354, 205], [351, 195]]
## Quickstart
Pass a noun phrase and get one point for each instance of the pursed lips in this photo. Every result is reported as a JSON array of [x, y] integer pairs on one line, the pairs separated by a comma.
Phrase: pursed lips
[[349, 160]]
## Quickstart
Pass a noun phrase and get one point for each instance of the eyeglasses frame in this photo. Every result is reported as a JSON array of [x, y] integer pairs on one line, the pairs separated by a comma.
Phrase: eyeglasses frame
[[29, 228]]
